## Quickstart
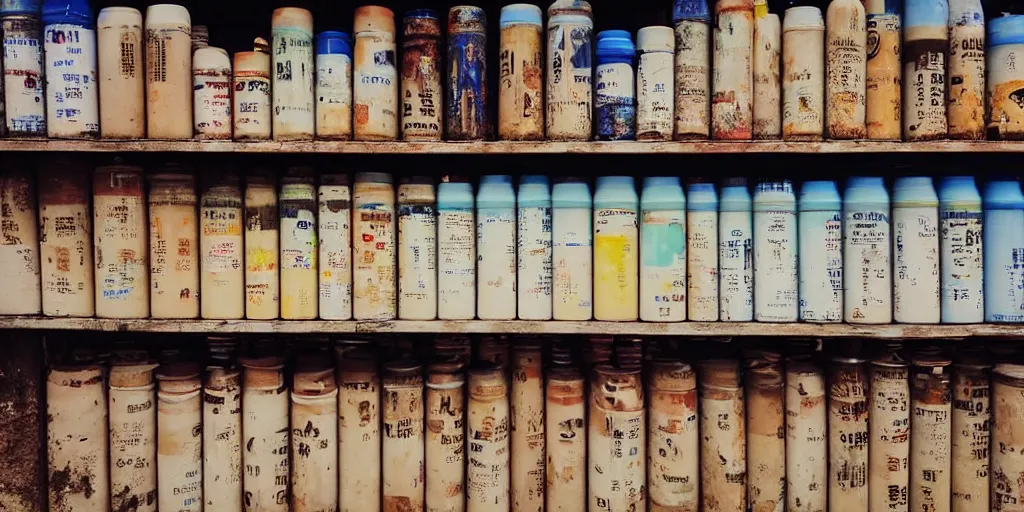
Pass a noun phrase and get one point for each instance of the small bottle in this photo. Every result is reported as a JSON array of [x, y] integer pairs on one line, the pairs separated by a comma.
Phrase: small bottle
[[821, 252], [884, 71], [662, 250], [375, 75], [520, 81], [417, 249], [570, 70], [211, 93], [333, 90], [926, 41], [119, 43], [736, 252], [456, 249], [616, 254], [292, 90], [72, 98], [775, 252], [422, 62], [867, 252], [847, 68], [733, 79], [692, 69], [496, 246], [251, 99], [1005, 43], [168, 72], [767, 113], [960, 228], [534, 272], [467, 110], [614, 90], [655, 83], [915, 221], [572, 250], [702, 253], [803, 81], [966, 74], [1004, 214]]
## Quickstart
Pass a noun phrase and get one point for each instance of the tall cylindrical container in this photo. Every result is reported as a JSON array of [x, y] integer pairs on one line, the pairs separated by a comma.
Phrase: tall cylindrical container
[[359, 453], [692, 22], [211, 94], [334, 235], [168, 72], [23, 71], [662, 250], [417, 249], [889, 432], [534, 267], [848, 438], [884, 69], [867, 265], [262, 247], [422, 62], [775, 252], [496, 243], [528, 436], [456, 249], [617, 461], [926, 41], [766, 426], [570, 70], [222, 281], [222, 438], [960, 229], [119, 44], [723, 452], [1004, 212], [673, 440], [333, 89], [72, 98], [820, 242], [314, 434], [375, 82], [732, 82], [291, 30], [915, 220], [1005, 42], [846, 52], [445, 468], [487, 442], [803, 79], [300, 290], [1008, 452], [466, 106], [572, 250], [65, 241], [806, 456], [702, 250], [614, 89], [930, 433], [972, 433], [133, 440], [966, 75], [173, 245], [736, 252], [767, 113], [121, 256], [19, 244], [251, 104], [655, 82], [76, 432], [403, 452], [616, 258], [520, 73], [265, 426], [373, 247], [179, 456], [566, 440]]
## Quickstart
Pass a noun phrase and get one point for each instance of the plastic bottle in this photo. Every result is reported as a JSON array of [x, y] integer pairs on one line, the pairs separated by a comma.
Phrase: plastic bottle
[[616, 249], [19, 243], [211, 90], [867, 252], [733, 80], [915, 220], [300, 285], [251, 99], [960, 230], [662, 250], [1004, 216], [614, 90], [168, 72], [262, 247], [375, 75], [292, 89], [803, 81], [655, 84], [702, 252], [926, 43], [422, 65], [846, 48], [572, 250], [884, 69], [1005, 44], [520, 81], [966, 73], [736, 252], [335, 238], [767, 113], [496, 246], [119, 44], [820, 243], [72, 95], [417, 249], [775, 252], [456, 249], [333, 90], [693, 69], [121, 258], [467, 108], [24, 96], [570, 70], [534, 264], [374, 270]]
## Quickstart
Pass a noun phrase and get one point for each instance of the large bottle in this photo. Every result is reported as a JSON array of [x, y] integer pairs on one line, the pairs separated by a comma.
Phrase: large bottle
[[693, 69], [803, 80], [775, 252], [417, 249], [960, 229], [884, 69], [655, 105], [1005, 78], [915, 221], [736, 252], [1004, 216], [375, 75], [72, 95], [926, 41], [767, 68], [373, 247], [615, 91], [292, 88], [168, 72], [520, 61], [119, 41], [23, 92], [847, 68], [820, 243], [456, 249], [572, 250], [496, 246], [333, 91], [422, 64], [867, 252], [616, 254], [467, 107], [702, 252], [300, 286], [733, 80], [534, 248], [663, 251], [966, 74], [570, 70]]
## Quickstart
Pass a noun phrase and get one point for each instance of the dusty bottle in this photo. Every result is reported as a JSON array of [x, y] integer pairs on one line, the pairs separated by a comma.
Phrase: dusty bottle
[[616, 258], [960, 229], [334, 235], [25, 468], [767, 113], [820, 246], [692, 69], [884, 75], [971, 430], [467, 113], [655, 82], [211, 93], [673, 440], [930, 433], [23, 94], [373, 247], [846, 51], [766, 425], [1004, 211], [662, 250], [566, 443], [702, 250], [520, 69], [1008, 452], [528, 434], [180, 445], [298, 227], [251, 111], [222, 430], [359, 440], [867, 253], [614, 86], [487, 474], [262, 242], [72, 99], [119, 45], [417, 249], [1005, 42], [76, 431], [314, 435], [775, 252], [19, 244], [265, 426], [375, 76], [570, 70], [168, 72], [615, 440], [723, 460], [333, 87], [806, 441], [422, 62], [736, 252], [533, 258], [445, 436], [292, 81], [915, 220], [173, 244], [966, 74], [889, 431], [133, 440], [456, 249], [732, 82], [65, 241], [803, 80], [926, 41], [122, 261], [848, 438], [496, 243], [222, 278], [572, 250]]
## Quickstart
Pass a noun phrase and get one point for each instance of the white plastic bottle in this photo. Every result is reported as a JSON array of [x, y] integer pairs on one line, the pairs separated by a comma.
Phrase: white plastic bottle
[[662, 250], [534, 248], [736, 252], [915, 220], [775, 252]]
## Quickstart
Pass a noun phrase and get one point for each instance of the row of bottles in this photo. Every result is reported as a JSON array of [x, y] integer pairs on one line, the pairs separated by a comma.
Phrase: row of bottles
[[915, 69], [606, 425]]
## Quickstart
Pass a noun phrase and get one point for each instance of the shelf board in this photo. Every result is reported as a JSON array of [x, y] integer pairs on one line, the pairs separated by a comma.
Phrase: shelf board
[[890, 331], [509, 147]]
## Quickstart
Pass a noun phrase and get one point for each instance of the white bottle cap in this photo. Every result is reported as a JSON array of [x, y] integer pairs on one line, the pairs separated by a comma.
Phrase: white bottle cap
[[656, 39], [118, 16], [803, 18], [168, 14], [211, 58]]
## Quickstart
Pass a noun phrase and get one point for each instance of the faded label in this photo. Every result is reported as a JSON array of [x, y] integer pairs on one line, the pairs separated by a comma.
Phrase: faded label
[[72, 104], [916, 270], [496, 263], [663, 266], [534, 263], [775, 296], [702, 266], [456, 268]]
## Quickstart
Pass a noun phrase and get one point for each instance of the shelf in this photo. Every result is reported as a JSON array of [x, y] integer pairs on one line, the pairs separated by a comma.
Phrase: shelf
[[507, 147], [891, 331]]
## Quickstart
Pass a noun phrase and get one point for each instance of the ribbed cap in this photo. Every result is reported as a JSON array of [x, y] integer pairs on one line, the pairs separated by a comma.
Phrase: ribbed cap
[[615, 43], [292, 17], [73, 12], [211, 58], [252, 61]]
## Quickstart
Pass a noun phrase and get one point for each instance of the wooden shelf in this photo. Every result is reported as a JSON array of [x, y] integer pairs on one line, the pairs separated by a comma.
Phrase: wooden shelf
[[891, 331], [505, 147]]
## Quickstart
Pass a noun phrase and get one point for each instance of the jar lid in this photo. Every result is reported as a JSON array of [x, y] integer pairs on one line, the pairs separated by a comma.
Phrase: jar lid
[[656, 39], [252, 62], [521, 14], [110, 16], [168, 13], [1007, 29], [569, 8], [211, 57], [466, 18], [333, 42], [374, 18], [422, 22], [803, 18], [292, 17]]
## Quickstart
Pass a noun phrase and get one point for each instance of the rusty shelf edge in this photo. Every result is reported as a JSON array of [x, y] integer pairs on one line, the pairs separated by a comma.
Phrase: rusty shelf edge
[[697, 329], [508, 147]]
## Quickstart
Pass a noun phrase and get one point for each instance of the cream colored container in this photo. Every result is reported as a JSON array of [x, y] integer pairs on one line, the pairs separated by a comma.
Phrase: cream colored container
[[845, 89], [673, 440], [534, 273], [179, 456], [292, 40], [767, 79], [889, 433], [732, 82], [617, 460], [915, 221], [373, 247], [456, 249], [251, 103], [262, 263], [1007, 469], [299, 270], [359, 440], [222, 439], [924, 69], [76, 430], [616, 250], [417, 249], [528, 439], [265, 427], [168, 72], [496, 243], [403, 451], [119, 46], [655, 83], [72, 101], [702, 250], [314, 439], [930, 434], [121, 255], [848, 439], [445, 437], [173, 244], [884, 72], [766, 423], [723, 452], [211, 93], [693, 74], [375, 81], [966, 70], [806, 442], [566, 443], [222, 278], [803, 79], [520, 74], [570, 70], [23, 87], [19, 244], [335, 238], [572, 278], [972, 433], [422, 62], [333, 91], [65, 240], [487, 445], [133, 440]]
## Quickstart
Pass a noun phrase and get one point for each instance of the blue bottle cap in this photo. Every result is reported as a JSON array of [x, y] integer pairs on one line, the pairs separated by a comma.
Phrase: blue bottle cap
[[455, 195], [615, 43], [1003, 195], [820, 195], [71, 12], [702, 197], [571, 193], [865, 189], [332, 42], [914, 189], [958, 189], [521, 14], [1008, 29], [735, 196], [422, 13], [691, 10], [20, 7], [495, 179], [533, 192], [616, 192], [664, 192], [925, 13]]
